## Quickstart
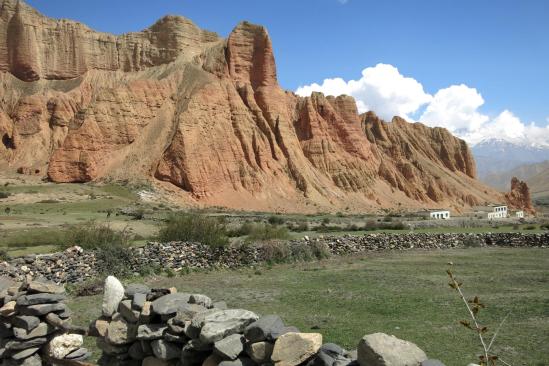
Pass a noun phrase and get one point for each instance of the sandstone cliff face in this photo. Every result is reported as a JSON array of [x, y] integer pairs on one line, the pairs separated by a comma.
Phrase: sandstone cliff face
[[519, 196], [205, 118]]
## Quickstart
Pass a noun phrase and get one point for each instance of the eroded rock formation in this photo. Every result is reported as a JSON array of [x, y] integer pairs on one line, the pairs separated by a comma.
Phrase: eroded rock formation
[[519, 196], [204, 118]]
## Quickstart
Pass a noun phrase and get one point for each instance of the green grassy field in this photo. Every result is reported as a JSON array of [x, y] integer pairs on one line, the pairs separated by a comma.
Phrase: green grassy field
[[405, 294]]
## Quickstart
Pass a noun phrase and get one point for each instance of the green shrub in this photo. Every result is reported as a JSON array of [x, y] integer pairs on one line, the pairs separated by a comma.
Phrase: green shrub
[[299, 227], [93, 235], [260, 232], [275, 220], [530, 227], [4, 194], [48, 201], [544, 226], [242, 230], [276, 251], [114, 261], [4, 256], [194, 227]]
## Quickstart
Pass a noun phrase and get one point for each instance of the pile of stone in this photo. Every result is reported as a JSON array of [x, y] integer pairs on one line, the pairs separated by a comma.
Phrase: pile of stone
[[163, 327], [34, 323], [76, 265]]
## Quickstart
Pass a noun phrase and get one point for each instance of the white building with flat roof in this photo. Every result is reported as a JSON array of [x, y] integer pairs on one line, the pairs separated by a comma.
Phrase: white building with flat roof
[[435, 214], [493, 211]]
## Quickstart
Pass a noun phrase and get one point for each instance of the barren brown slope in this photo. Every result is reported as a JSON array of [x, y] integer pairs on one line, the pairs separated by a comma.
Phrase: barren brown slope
[[205, 118]]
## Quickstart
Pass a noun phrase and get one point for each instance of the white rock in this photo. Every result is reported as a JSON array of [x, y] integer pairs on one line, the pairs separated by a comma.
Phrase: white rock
[[63, 344], [113, 294]]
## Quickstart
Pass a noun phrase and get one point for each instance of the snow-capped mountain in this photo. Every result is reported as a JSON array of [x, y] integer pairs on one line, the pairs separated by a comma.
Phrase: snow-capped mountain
[[495, 156]]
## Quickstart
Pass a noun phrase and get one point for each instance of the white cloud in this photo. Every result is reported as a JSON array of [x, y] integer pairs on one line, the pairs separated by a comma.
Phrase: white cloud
[[388, 93], [381, 88], [455, 108]]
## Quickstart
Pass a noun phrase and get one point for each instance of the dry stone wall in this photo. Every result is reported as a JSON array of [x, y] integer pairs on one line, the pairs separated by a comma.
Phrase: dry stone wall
[[143, 326], [35, 325], [76, 265]]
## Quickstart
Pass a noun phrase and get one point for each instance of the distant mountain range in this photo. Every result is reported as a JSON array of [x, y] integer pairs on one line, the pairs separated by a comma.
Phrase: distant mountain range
[[498, 161]]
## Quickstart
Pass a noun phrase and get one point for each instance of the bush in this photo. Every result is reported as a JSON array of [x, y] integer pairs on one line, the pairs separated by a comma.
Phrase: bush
[[544, 226], [4, 194], [276, 251], [260, 232], [299, 227], [243, 230], [114, 261], [93, 235], [275, 220], [184, 227], [280, 251], [4, 256], [530, 227]]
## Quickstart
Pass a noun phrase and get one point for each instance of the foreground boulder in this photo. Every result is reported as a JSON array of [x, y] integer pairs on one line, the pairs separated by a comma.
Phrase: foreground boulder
[[291, 349], [380, 349]]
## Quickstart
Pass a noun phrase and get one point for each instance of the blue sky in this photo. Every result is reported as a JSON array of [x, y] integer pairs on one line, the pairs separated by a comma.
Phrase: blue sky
[[500, 48]]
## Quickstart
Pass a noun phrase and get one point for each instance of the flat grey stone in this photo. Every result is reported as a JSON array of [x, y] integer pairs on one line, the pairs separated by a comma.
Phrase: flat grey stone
[[380, 349], [150, 331], [77, 354], [27, 322], [41, 309], [25, 353], [13, 345], [219, 324], [34, 299], [125, 309], [332, 349], [41, 330], [44, 287], [136, 288], [268, 327], [138, 301], [165, 350], [170, 304], [231, 347]]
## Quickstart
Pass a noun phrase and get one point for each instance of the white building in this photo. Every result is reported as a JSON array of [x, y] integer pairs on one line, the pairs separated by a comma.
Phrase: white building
[[436, 214], [493, 211], [519, 214]]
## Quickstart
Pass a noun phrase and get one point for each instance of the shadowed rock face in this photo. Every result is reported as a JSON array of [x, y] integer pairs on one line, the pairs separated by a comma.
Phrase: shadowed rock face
[[189, 110]]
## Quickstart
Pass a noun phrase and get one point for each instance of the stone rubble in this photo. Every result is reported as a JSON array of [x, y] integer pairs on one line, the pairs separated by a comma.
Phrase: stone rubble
[[76, 265], [34, 323]]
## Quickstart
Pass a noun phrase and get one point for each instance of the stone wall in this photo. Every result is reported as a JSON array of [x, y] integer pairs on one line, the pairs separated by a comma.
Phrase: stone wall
[[76, 265], [35, 326], [143, 326]]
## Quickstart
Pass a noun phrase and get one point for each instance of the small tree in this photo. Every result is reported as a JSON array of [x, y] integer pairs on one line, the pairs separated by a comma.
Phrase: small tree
[[474, 306]]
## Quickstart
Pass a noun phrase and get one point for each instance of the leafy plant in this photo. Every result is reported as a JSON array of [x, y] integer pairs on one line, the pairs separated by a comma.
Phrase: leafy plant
[[93, 235], [194, 227], [474, 306], [260, 232]]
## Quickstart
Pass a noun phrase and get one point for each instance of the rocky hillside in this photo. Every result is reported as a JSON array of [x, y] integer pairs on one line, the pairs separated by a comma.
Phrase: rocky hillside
[[205, 119]]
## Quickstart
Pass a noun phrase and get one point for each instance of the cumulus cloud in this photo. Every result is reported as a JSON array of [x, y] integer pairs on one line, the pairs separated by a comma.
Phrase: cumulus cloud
[[384, 90], [381, 88], [455, 108]]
